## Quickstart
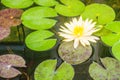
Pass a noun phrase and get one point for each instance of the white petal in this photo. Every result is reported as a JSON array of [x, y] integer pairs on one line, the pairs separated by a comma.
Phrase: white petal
[[86, 42], [68, 39], [66, 31], [76, 43], [81, 41], [65, 35], [69, 26]]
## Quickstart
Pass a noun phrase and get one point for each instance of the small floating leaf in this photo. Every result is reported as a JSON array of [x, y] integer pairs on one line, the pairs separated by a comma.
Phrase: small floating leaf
[[6, 71], [113, 26], [74, 55], [110, 39], [99, 12], [116, 50], [17, 3], [40, 40], [114, 36], [38, 18], [110, 72], [13, 60], [46, 2], [70, 7], [11, 13], [46, 71], [4, 32], [10, 17], [7, 64]]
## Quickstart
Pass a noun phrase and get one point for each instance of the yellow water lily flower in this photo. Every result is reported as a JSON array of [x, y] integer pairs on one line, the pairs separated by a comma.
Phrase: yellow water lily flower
[[80, 31]]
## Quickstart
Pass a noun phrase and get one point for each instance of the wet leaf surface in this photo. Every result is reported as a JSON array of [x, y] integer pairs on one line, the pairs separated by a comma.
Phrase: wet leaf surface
[[39, 18], [46, 2], [7, 64], [46, 71], [40, 40], [110, 72], [116, 50], [10, 17], [13, 60], [74, 56], [70, 7], [98, 12], [8, 72], [17, 3]]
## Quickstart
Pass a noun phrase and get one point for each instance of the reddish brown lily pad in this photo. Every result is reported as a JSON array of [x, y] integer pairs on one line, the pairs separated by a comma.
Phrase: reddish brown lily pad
[[11, 13], [6, 71], [74, 55], [13, 60], [7, 64], [4, 32], [10, 17]]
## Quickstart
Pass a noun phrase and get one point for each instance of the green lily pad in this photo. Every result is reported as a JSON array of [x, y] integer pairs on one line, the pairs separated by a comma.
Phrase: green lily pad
[[102, 32], [40, 40], [17, 3], [46, 71], [110, 39], [70, 7], [74, 55], [110, 72], [116, 50], [99, 12], [114, 35], [46, 2], [38, 18], [113, 26]]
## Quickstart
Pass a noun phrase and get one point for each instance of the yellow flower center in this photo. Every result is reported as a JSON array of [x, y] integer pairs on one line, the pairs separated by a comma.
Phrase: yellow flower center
[[78, 31]]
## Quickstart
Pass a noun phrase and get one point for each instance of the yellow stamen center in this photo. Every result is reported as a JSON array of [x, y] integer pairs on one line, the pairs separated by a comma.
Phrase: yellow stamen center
[[78, 31]]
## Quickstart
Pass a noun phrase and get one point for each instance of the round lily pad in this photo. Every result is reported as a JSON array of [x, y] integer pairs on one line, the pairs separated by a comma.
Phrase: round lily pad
[[39, 18], [110, 39], [99, 12], [40, 40], [46, 71], [4, 32], [17, 3], [113, 26], [7, 64], [114, 35], [13, 60], [46, 2], [70, 7], [116, 50], [74, 55], [6, 71], [110, 72]]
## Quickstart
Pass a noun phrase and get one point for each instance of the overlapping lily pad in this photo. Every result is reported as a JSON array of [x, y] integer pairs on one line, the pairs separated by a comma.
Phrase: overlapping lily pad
[[46, 71], [10, 17], [17, 3], [40, 40], [7, 64], [46, 2], [74, 55], [99, 13], [116, 50], [39, 18], [110, 72], [111, 38], [70, 7]]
